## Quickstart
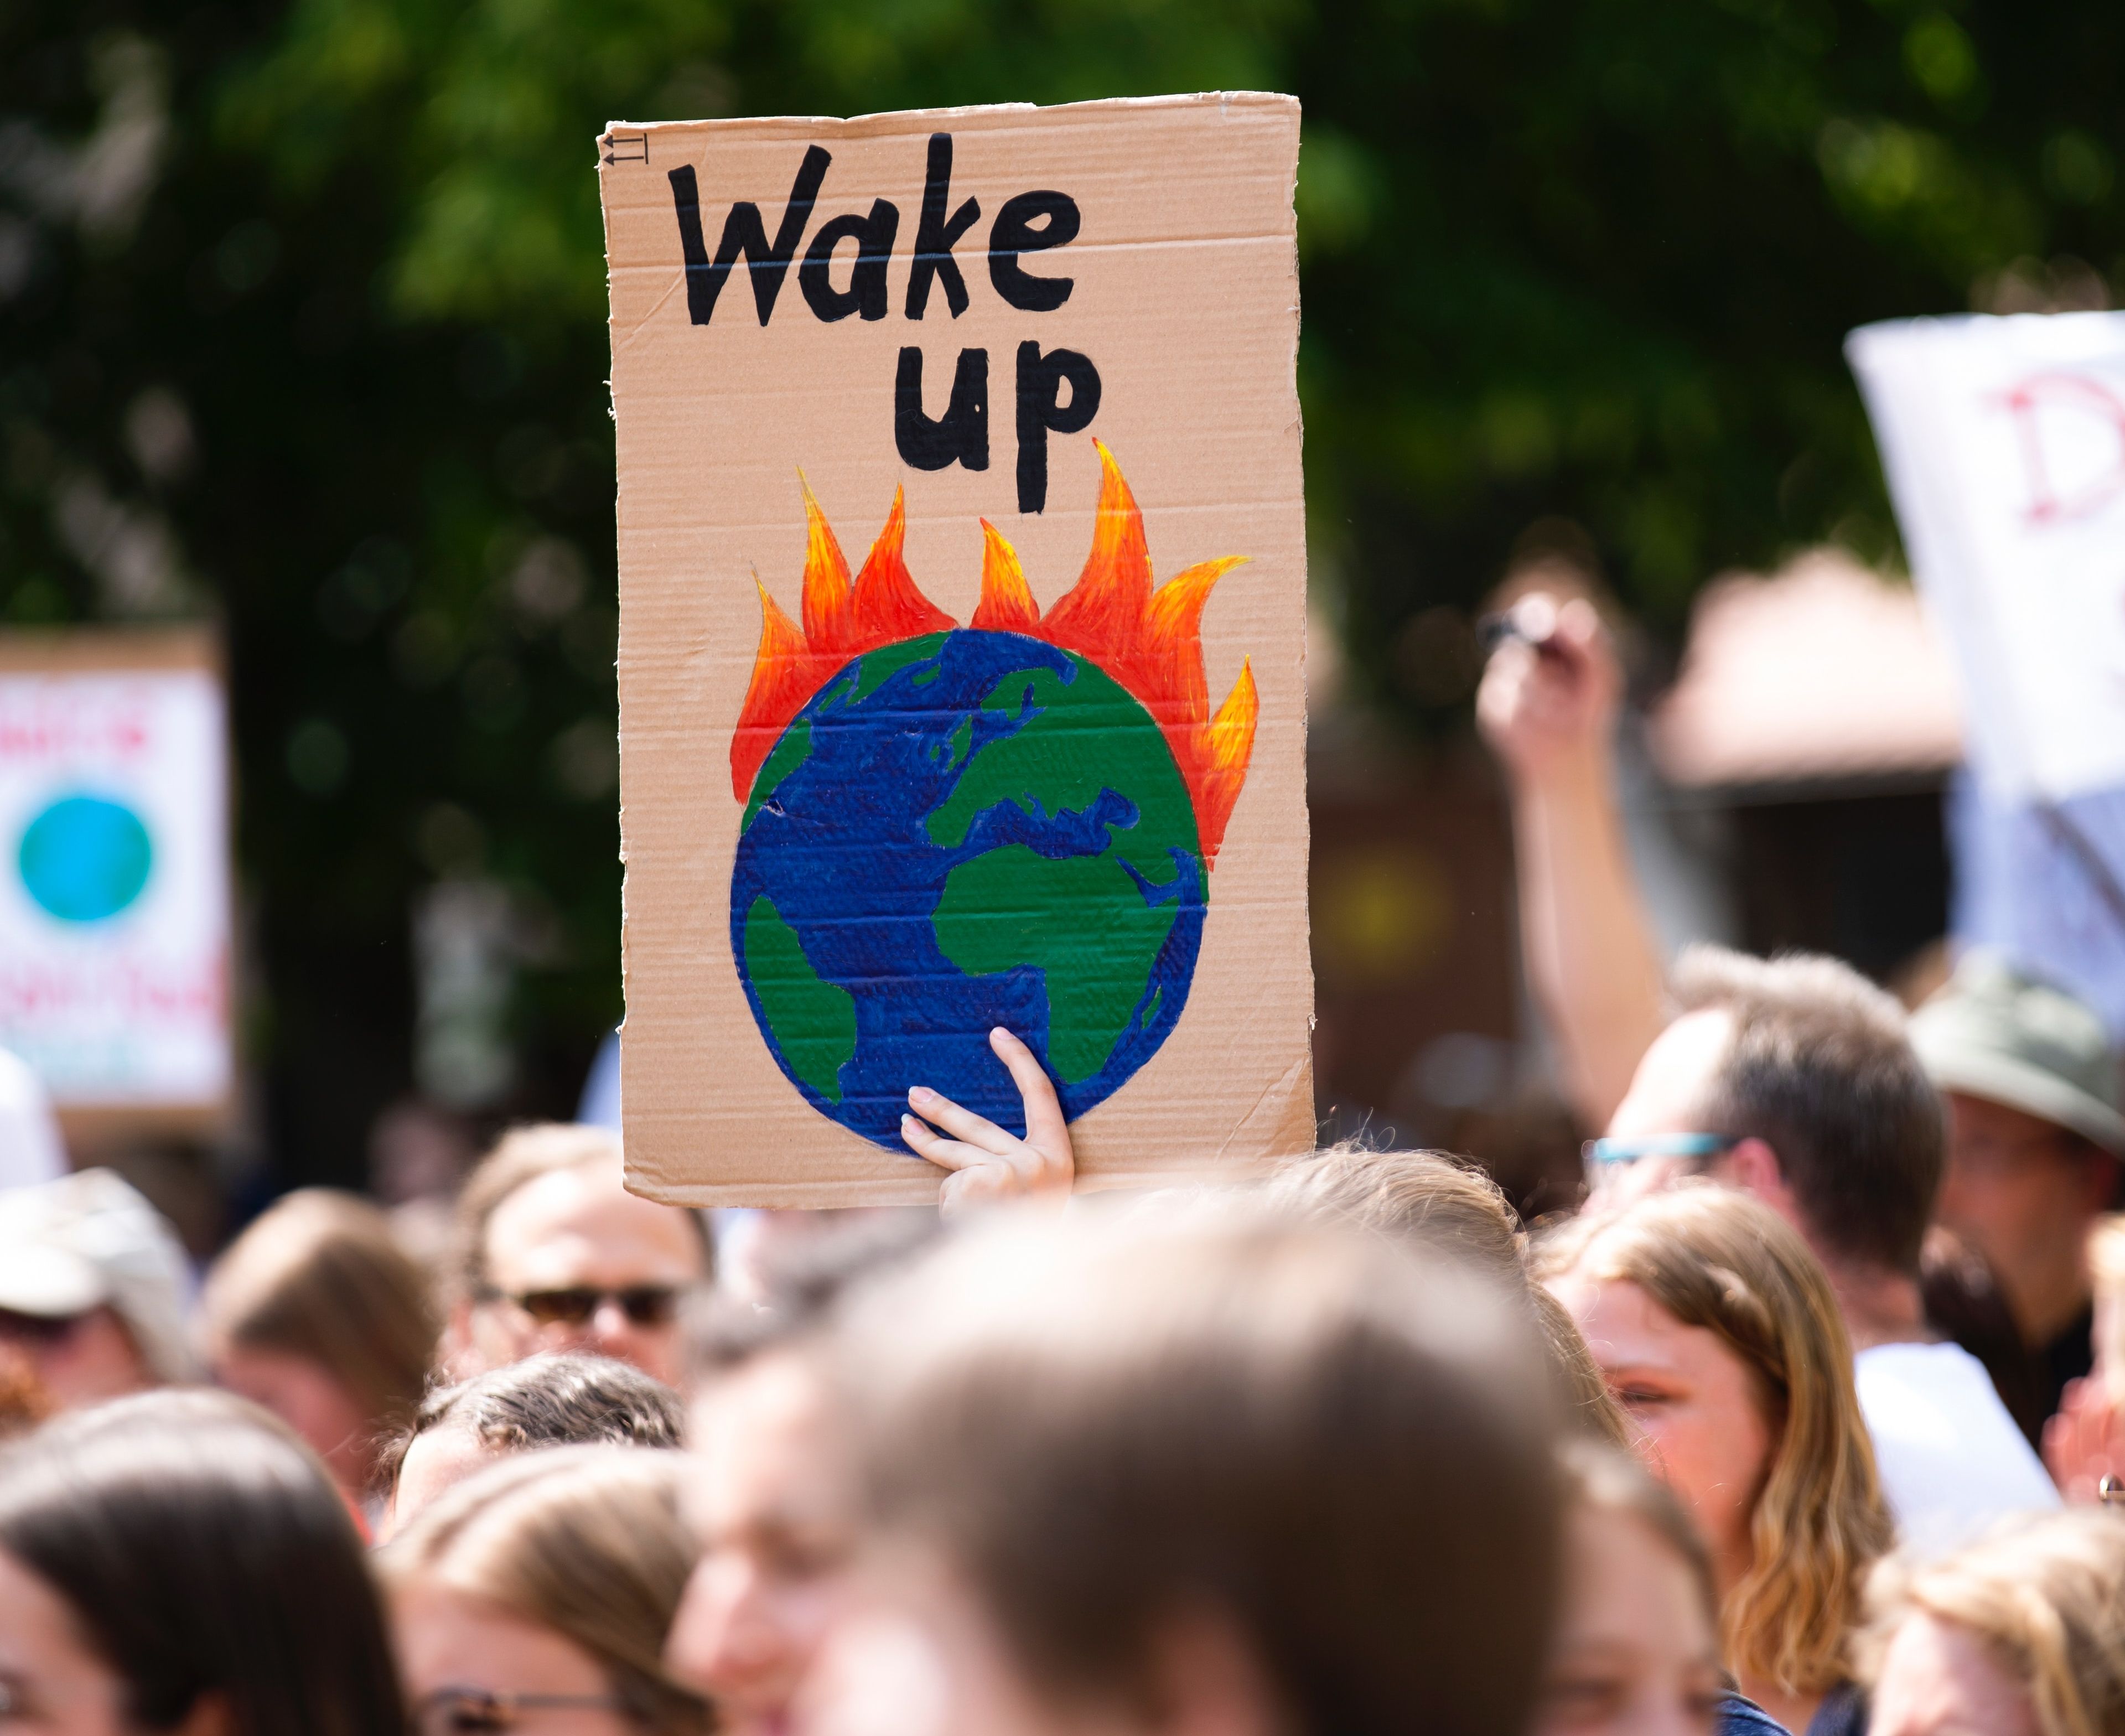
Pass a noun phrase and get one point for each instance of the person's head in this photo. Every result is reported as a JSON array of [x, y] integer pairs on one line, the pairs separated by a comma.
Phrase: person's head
[[2020, 1634], [1718, 1331], [772, 1497], [1438, 1205], [1791, 1079], [2031, 1086], [541, 1402], [555, 1253], [1635, 1652], [92, 1288], [547, 1584], [1435, 1201], [178, 1562], [1243, 1475], [314, 1312]]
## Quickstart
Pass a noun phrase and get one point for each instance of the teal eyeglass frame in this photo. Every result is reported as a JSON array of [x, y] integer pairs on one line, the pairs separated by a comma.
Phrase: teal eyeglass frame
[[1603, 1154]]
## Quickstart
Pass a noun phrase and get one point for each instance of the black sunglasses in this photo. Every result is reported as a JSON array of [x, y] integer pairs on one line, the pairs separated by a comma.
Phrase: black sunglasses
[[645, 1305]]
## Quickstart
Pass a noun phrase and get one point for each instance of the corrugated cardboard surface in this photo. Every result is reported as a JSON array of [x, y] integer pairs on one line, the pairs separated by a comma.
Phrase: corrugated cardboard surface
[[1186, 298]]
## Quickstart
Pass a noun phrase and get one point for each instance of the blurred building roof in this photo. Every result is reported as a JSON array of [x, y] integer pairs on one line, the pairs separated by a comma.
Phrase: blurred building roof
[[1824, 673]]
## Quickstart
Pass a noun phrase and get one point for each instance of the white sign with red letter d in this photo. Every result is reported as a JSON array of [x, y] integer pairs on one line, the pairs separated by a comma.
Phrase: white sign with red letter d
[[2004, 442]]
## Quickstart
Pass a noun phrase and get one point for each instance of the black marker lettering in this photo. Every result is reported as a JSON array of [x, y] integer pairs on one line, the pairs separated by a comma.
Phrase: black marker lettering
[[866, 292], [1040, 380], [1013, 233], [936, 236], [961, 435], [744, 232]]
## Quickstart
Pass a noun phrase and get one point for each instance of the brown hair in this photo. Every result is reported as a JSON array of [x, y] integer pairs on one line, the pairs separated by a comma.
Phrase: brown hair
[[319, 1276], [1441, 1203], [2048, 1597], [587, 1541], [1107, 1424], [1820, 1069], [1720, 1259], [559, 1399], [203, 1550]]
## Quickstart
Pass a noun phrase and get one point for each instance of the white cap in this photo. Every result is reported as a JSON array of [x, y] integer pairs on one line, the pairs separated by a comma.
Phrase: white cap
[[90, 1240], [30, 1149]]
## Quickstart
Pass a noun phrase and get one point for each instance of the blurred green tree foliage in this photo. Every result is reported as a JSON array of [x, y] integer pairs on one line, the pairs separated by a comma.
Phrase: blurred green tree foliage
[[301, 326]]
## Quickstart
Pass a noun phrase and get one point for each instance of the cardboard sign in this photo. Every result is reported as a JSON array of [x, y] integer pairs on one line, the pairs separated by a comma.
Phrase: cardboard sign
[[961, 681], [114, 886], [2004, 442]]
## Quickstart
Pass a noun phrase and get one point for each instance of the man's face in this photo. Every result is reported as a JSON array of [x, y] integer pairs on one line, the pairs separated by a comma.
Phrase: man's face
[[79, 1360], [2023, 1192], [1667, 1096], [774, 1505], [583, 1265]]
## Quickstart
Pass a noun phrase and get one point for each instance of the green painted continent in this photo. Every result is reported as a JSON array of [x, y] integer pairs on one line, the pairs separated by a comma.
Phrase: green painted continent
[[814, 1022], [1081, 920]]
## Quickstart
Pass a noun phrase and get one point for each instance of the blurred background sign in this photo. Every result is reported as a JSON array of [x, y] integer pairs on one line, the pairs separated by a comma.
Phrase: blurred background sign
[[2004, 444], [114, 882]]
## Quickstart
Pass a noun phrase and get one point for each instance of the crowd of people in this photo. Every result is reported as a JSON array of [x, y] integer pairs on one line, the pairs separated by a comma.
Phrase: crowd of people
[[1805, 1419]]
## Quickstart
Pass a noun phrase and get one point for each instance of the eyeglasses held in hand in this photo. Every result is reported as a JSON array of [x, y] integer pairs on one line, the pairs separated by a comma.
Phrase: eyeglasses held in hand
[[645, 1305], [1605, 1153], [462, 1711]]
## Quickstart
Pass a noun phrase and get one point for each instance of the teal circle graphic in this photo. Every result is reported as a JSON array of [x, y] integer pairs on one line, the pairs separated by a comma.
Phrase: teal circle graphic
[[85, 858]]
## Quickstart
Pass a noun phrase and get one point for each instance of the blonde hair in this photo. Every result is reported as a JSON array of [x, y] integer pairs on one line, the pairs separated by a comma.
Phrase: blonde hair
[[2047, 1596], [587, 1541], [1591, 1411], [319, 1276], [1718, 1259], [1431, 1199], [1441, 1203], [519, 1158]]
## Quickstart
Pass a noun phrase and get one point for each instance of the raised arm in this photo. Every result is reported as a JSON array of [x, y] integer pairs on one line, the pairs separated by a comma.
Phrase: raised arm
[[1547, 706]]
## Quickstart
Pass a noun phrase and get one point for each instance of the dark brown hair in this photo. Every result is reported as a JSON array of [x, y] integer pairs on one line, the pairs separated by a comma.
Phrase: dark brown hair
[[319, 1276], [203, 1550], [555, 1400], [1819, 1068], [1108, 1426]]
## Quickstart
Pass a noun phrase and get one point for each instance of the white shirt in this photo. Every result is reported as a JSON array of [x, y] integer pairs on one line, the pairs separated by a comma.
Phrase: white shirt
[[1952, 1460]]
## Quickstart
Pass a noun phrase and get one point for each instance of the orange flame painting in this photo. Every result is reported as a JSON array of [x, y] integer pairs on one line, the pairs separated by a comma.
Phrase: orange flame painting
[[1148, 640]]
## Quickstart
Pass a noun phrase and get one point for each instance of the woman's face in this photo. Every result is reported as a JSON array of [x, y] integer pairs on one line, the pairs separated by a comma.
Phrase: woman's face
[[1700, 1425], [305, 1397], [50, 1681], [1634, 1654], [1939, 1678], [470, 1665]]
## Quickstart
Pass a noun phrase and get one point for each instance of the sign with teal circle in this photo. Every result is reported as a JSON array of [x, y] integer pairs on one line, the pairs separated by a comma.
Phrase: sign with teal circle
[[85, 858]]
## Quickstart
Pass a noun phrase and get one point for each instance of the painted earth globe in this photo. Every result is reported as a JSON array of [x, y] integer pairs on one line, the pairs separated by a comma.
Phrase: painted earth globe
[[957, 832]]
